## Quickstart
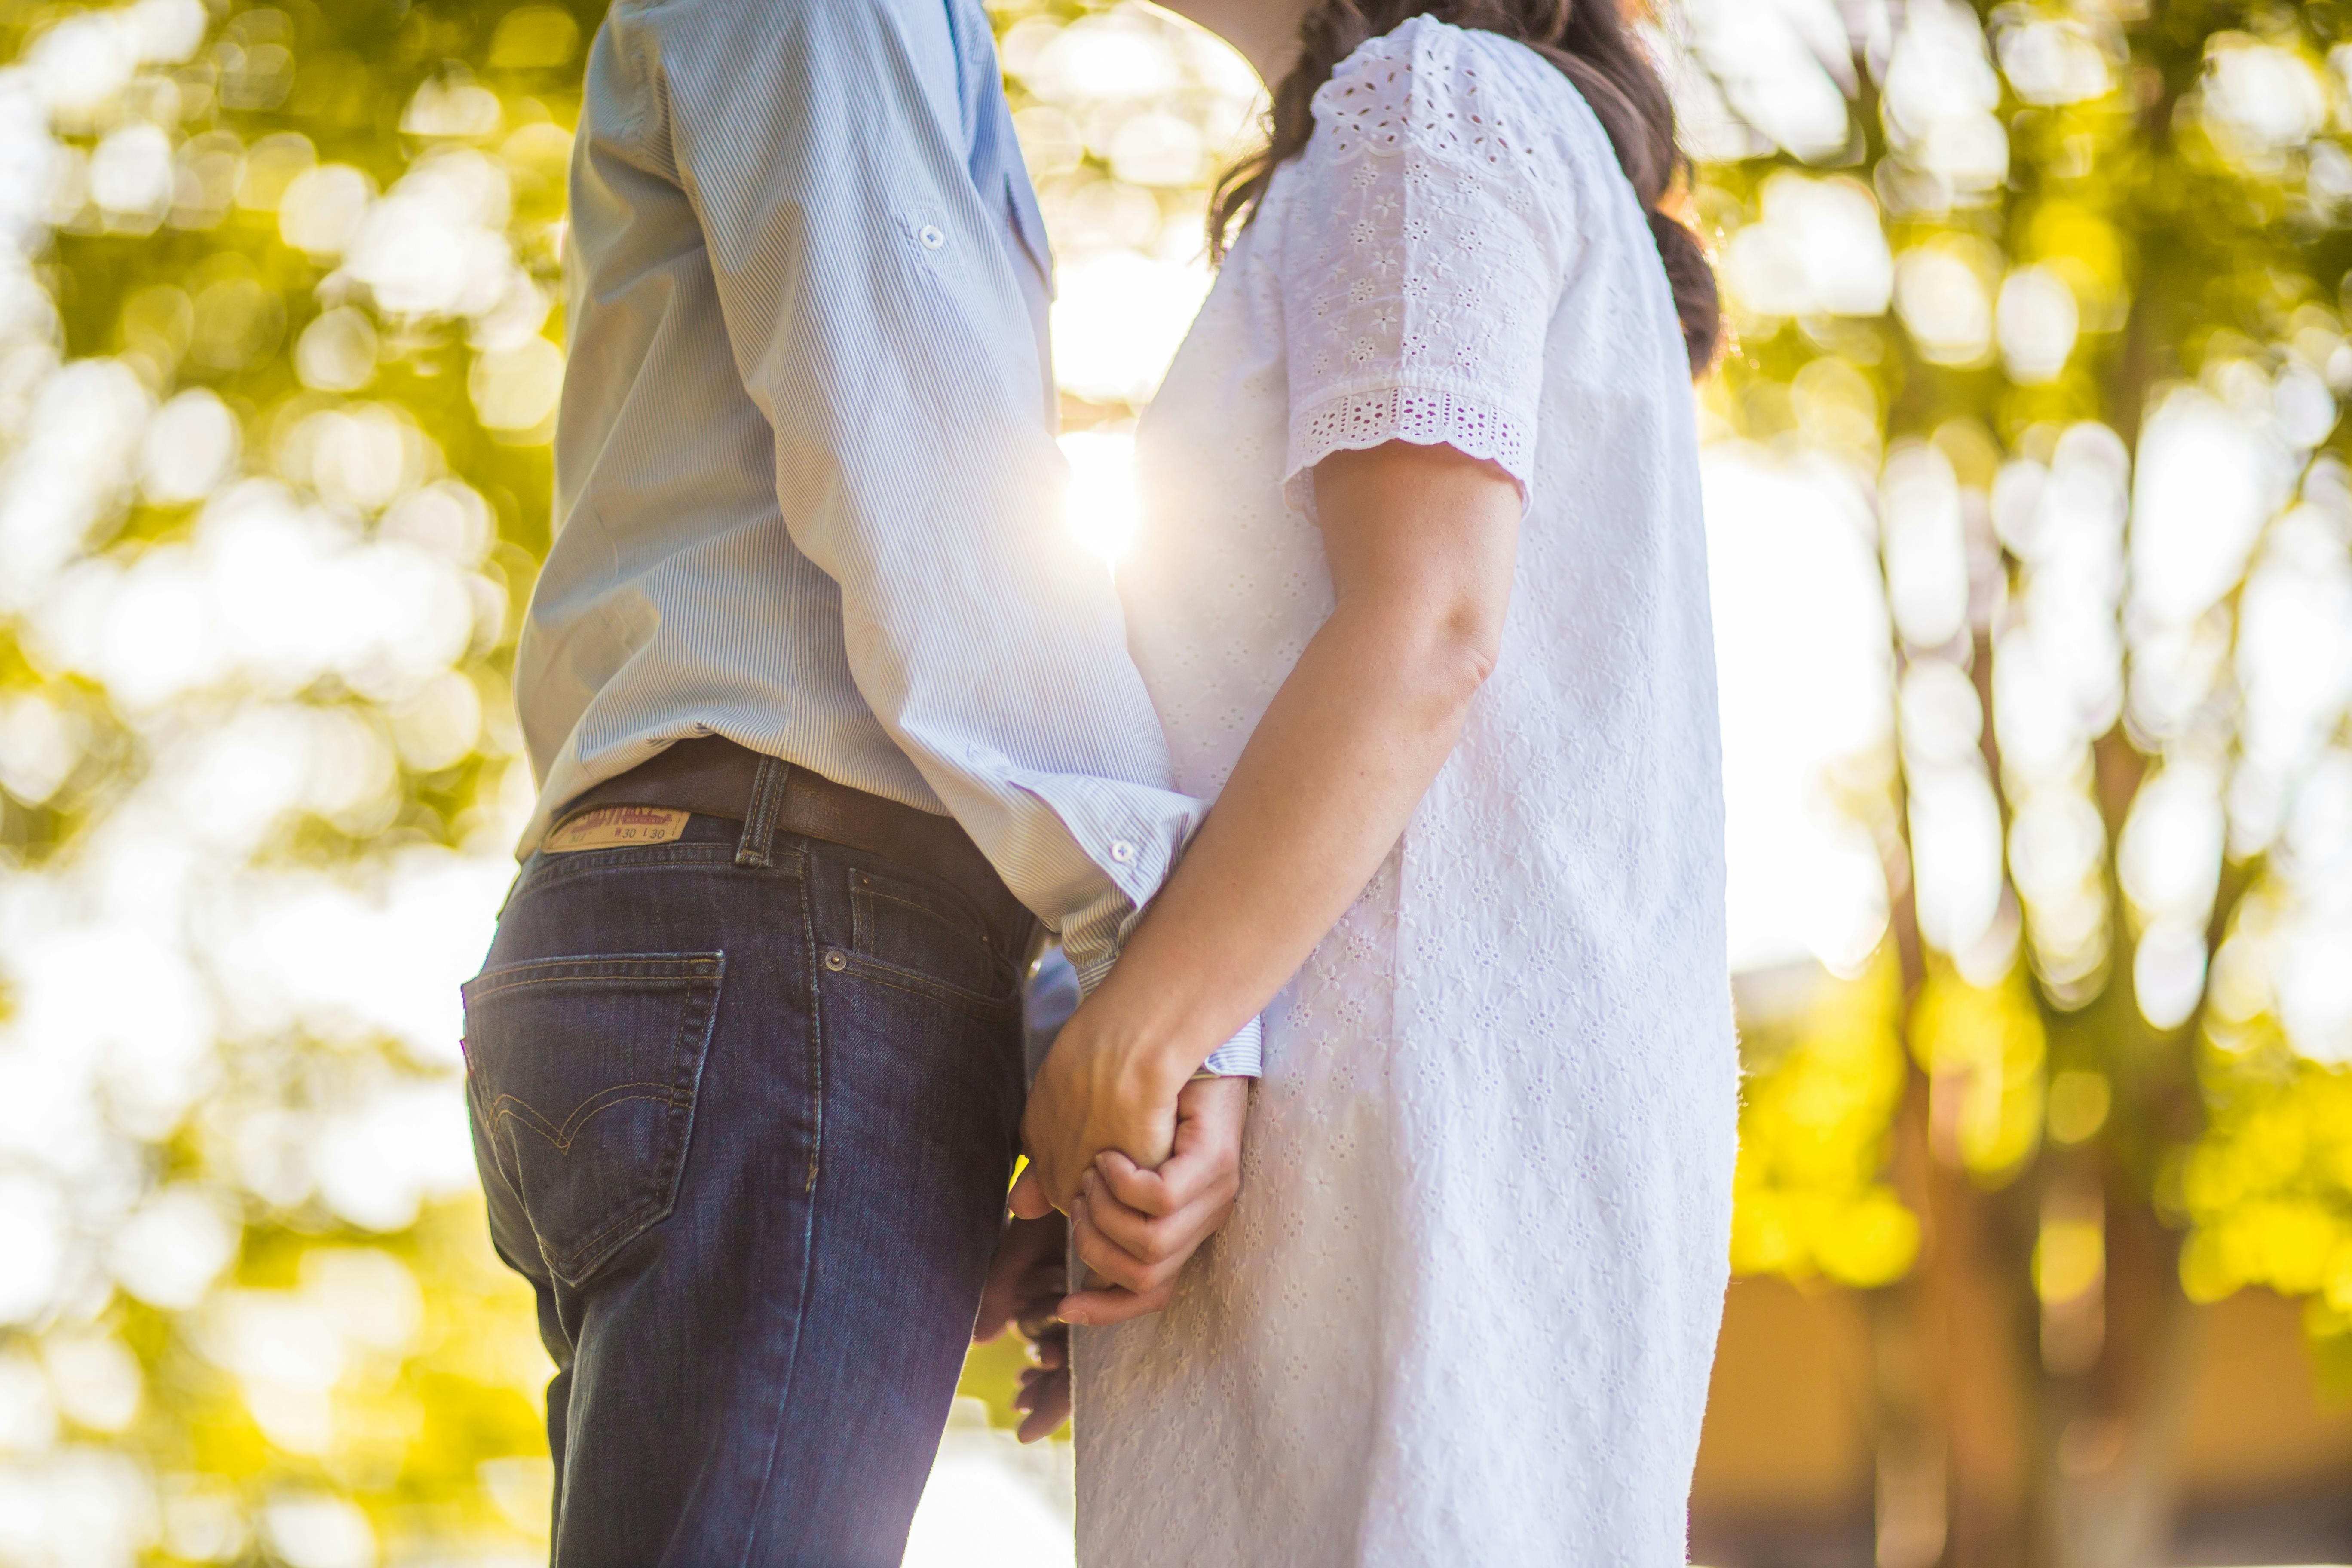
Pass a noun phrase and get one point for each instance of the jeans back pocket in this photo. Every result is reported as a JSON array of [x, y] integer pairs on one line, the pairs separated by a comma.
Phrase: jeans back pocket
[[583, 1074], [910, 933]]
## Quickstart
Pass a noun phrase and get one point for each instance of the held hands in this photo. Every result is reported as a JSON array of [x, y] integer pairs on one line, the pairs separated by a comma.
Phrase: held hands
[[1145, 1164], [1135, 1230], [1100, 1088]]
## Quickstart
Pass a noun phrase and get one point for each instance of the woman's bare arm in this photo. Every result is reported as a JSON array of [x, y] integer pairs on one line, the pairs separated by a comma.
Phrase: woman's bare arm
[[1421, 542]]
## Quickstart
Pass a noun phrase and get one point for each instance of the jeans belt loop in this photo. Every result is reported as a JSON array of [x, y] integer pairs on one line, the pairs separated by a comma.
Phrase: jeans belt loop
[[759, 821]]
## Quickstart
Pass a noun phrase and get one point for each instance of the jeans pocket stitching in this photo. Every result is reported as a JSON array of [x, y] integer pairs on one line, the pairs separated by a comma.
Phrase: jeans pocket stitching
[[701, 977], [696, 1022], [517, 1109], [915, 984], [504, 986], [575, 1266], [960, 915], [861, 920], [687, 970]]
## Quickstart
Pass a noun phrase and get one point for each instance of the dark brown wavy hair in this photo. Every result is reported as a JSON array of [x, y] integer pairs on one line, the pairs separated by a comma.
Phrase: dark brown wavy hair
[[1593, 46]]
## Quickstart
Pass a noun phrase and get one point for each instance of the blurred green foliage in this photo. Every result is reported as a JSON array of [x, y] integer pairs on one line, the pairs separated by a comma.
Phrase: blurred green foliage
[[2058, 296], [1812, 1194], [352, 1378], [2178, 172]]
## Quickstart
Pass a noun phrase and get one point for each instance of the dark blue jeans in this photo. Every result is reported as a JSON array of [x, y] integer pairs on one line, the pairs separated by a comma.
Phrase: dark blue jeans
[[746, 1128]]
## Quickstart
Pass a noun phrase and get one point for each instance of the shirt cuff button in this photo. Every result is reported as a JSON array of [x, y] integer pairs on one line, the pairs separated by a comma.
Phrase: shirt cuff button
[[931, 237], [1122, 851]]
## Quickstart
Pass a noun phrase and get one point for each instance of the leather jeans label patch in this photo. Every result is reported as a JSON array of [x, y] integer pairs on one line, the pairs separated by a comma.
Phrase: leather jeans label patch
[[616, 828]]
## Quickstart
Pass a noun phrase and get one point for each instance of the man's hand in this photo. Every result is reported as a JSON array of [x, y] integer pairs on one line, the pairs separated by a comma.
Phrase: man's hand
[[1096, 1090], [1026, 1280], [1135, 1228], [1029, 1267]]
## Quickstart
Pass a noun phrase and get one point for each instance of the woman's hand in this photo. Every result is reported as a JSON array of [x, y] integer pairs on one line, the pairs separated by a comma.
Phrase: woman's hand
[[1135, 1230], [1100, 1088]]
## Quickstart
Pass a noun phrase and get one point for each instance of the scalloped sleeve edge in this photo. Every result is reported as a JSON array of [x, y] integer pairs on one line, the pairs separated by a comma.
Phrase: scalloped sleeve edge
[[1426, 416]]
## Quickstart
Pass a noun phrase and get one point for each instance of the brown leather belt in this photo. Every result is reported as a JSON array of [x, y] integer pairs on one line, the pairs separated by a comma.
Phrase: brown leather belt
[[713, 775]]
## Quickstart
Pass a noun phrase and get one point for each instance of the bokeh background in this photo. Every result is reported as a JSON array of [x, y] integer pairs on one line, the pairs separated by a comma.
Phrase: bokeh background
[[2032, 547]]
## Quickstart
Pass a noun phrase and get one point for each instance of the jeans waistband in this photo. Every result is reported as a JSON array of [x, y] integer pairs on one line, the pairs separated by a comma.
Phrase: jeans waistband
[[717, 777]]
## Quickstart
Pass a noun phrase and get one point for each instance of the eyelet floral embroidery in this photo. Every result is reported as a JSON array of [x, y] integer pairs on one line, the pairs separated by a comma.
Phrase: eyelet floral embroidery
[[1435, 225], [1486, 1071]]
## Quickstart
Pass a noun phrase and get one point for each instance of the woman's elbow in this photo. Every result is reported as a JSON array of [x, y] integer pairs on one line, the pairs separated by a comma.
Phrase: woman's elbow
[[1456, 651], [1476, 630], [1431, 651]]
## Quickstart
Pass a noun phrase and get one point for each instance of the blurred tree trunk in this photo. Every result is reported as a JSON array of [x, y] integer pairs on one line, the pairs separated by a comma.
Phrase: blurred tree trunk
[[2031, 1368], [2015, 1431], [1987, 1456], [1954, 1374], [2113, 1458], [1995, 1447]]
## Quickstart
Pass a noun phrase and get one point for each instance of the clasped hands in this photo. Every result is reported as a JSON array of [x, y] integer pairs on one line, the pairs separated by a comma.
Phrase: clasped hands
[[1144, 1161]]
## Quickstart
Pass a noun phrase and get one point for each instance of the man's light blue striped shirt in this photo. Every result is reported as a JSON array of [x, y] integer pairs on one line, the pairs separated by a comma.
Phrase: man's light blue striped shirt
[[805, 476]]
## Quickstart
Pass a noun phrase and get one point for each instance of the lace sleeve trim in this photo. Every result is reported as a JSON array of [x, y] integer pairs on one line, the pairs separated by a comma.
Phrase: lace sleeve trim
[[1415, 89], [1358, 421]]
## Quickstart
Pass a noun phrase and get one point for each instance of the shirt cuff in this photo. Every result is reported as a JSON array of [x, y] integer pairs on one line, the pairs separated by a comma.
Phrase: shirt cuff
[[1091, 944], [1239, 1057]]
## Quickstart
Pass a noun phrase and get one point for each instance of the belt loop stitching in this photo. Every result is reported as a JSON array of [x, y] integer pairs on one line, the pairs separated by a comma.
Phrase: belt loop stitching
[[759, 818]]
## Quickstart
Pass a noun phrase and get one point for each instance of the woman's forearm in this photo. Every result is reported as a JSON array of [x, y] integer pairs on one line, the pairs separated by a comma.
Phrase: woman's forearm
[[1422, 543], [1344, 753]]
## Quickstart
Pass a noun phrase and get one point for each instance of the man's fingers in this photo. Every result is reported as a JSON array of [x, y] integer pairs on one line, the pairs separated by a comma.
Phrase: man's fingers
[[1046, 1404], [1028, 1197], [1095, 1307], [1036, 1319], [1044, 1400], [1027, 1265], [1025, 1282]]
